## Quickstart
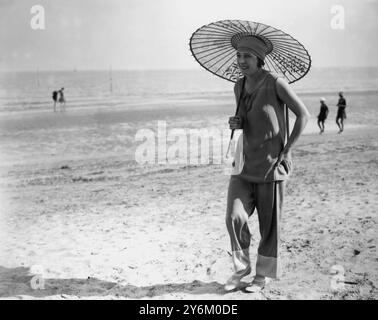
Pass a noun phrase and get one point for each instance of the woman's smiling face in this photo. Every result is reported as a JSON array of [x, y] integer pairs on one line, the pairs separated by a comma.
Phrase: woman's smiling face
[[247, 62]]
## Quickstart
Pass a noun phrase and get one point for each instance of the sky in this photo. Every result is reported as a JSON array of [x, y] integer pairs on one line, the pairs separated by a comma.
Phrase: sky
[[154, 34]]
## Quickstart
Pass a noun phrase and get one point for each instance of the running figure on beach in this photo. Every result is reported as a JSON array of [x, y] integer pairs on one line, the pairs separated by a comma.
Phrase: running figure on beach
[[341, 114], [55, 98], [322, 115], [62, 100], [267, 165]]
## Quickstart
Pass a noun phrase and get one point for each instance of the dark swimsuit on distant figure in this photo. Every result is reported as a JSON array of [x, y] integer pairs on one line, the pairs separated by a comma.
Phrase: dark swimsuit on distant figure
[[341, 114], [323, 113], [55, 96], [61, 96]]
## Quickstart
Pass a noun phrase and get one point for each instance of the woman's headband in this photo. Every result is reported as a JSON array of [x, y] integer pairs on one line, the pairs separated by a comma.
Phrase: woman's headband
[[253, 45]]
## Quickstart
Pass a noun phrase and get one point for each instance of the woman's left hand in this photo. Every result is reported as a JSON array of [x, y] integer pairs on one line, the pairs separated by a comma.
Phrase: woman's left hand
[[282, 158]]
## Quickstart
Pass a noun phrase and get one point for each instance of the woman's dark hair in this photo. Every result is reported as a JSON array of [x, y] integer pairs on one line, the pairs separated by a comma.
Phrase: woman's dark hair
[[260, 63]]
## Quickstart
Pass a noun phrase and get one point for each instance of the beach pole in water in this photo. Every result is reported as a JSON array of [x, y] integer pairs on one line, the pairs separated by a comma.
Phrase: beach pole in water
[[37, 78], [111, 80]]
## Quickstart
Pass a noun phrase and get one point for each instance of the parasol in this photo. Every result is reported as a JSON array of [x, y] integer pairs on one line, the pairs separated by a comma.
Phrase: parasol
[[214, 47]]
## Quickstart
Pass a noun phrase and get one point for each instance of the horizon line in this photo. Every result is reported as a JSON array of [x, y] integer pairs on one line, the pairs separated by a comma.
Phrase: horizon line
[[152, 69]]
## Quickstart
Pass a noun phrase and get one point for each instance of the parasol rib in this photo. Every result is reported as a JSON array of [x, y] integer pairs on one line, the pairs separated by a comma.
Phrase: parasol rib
[[212, 41], [268, 60], [223, 51], [243, 26], [224, 57], [221, 31], [210, 33], [231, 26], [220, 67], [286, 51], [224, 47], [285, 54], [284, 67], [287, 45], [211, 53]]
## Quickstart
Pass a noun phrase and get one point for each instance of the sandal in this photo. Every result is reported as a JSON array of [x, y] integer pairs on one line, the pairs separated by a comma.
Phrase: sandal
[[257, 285], [234, 282]]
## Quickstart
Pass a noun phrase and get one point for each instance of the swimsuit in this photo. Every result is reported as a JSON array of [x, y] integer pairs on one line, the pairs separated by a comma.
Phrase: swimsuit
[[259, 186]]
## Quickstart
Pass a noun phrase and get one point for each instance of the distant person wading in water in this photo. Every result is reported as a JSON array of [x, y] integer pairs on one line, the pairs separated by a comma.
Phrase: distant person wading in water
[[341, 114], [55, 99], [322, 115], [62, 100]]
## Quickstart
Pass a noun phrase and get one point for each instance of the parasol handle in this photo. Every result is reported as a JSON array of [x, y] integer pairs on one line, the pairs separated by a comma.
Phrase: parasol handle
[[236, 113], [237, 107], [232, 134]]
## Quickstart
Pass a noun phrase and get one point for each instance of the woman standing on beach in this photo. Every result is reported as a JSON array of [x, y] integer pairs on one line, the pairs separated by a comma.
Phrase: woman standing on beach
[[267, 162], [341, 114], [62, 100], [322, 115]]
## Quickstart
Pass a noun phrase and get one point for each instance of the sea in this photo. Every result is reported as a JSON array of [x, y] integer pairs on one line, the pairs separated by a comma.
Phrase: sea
[[106, 111], [32, 91]]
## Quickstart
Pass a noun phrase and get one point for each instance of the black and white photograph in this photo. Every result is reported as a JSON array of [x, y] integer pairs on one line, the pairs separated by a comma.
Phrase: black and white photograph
[[188, 150]]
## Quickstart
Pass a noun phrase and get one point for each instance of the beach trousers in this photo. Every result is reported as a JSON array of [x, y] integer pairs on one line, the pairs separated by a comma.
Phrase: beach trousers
[[243, 198]]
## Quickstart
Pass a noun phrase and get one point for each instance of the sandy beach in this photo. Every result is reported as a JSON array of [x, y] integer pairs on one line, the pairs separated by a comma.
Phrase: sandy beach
[[76, 206], [114, 128]]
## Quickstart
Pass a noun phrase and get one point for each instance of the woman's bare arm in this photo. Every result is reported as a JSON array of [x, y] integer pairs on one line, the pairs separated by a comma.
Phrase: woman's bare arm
[[288, 96]]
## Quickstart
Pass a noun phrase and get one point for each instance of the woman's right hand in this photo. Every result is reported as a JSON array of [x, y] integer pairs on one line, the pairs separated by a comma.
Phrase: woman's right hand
[[235, 122]]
